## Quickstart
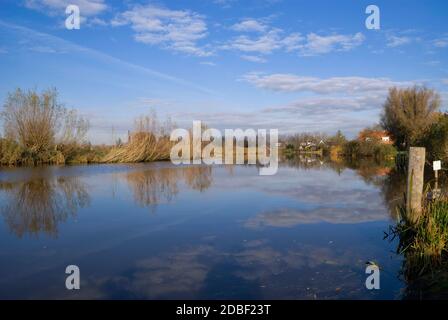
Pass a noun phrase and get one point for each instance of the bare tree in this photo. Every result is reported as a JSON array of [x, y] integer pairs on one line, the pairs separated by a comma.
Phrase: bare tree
[[408, 113], [39, 122]]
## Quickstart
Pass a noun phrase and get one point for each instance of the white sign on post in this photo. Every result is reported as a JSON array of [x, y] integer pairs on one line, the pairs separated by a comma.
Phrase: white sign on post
[[437, 165]]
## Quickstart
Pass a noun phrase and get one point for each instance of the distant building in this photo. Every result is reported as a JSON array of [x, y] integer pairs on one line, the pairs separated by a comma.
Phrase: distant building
[[375, 135]]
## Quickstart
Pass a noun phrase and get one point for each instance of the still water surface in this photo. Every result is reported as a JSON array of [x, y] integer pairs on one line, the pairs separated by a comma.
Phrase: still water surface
[[159, 231]]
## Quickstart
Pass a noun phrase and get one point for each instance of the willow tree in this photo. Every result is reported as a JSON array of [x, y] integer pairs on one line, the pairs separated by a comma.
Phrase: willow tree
[[39, 122], [409, 113]]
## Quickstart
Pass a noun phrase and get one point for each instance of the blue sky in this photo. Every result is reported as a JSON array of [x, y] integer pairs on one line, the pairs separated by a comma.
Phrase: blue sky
[[293, 65]]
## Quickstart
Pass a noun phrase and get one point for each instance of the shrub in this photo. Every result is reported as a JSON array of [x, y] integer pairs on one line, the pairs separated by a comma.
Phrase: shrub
[[357, 149], [39, 129], [436, 139]]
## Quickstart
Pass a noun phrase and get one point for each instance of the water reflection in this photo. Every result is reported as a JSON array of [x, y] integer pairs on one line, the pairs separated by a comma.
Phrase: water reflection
[[287, 217], [41, 204], [155, 186], [151, 187], [198, 177], [44, 200], [229, 233]]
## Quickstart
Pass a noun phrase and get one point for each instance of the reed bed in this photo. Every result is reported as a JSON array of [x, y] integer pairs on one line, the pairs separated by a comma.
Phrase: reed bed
[[424, 243]]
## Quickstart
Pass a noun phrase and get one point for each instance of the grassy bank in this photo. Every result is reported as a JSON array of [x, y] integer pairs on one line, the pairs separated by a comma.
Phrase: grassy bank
[[424, 246], [13, 154], [425, 242]]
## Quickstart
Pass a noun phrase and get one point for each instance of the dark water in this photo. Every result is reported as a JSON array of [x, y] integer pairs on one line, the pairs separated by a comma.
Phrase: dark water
[[158, 231]]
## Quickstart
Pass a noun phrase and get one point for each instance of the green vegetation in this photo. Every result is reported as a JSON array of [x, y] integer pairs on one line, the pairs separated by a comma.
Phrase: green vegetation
[[412, 118], [362, 149], [424, 247], [436, 139], [409, 113], [424, 243], [338, 146], [38, 129]]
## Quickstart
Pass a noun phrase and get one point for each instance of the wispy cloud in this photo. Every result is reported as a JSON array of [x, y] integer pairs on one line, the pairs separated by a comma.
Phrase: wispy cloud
[[320, 107], [56, 44], [432, 63], [225, 3], [272, 39], [440, 42], [208, 63], [396, 41], [265, 43], [253, 59], [249, 25], [295, 83], [311, 114], [177, 30], [317, 44], [86, 7]]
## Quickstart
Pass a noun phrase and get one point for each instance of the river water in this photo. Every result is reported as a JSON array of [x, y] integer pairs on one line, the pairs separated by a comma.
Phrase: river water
[[159, 231]]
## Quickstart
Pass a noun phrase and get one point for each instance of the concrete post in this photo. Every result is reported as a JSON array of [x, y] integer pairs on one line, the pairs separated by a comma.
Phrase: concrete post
[[414, 193]]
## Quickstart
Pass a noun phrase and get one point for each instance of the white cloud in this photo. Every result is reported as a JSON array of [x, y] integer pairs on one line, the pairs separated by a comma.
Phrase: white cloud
[[432, 63], [396, 41], [96, 22], [266, 43], [249, 25], [177, 30], [317, 44], [253, 58], [32, 39], [44, 49], [86, 7], [445, 81], [294, 83], [441, 42], [274, 39], [208, 63], [224, 3], [318, 106], [314, 114]]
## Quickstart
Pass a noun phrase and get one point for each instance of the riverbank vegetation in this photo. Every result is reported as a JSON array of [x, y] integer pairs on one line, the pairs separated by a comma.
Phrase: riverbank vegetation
[[38, 129], [150, 141], [410, 117], [338, 146], [424, 246]]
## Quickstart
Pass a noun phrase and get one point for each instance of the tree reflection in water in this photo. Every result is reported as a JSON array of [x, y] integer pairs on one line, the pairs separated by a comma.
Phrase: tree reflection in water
[[198, 177], [152, 187], [40, 204]]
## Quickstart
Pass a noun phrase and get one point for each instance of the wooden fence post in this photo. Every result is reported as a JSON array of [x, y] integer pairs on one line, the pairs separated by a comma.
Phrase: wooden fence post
[[414, 195]]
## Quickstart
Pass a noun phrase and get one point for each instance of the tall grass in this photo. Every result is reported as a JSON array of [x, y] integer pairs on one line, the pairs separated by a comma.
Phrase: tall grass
[[424, 242], [150, 141]]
